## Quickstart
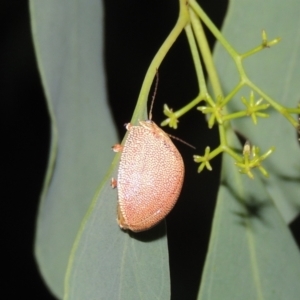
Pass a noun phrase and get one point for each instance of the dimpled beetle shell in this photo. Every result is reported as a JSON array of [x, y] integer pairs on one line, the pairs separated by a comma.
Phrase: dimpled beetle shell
[[150, 177]]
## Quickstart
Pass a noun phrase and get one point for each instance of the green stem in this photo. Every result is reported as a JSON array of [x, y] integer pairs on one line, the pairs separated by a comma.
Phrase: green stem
[[232, 93], [236, 115], [206, 54], [293, 110], [232, 153], [196, 59], [182, 21], [215, 152], [222, 134], [214, 30], [189, 106], [253, 51]]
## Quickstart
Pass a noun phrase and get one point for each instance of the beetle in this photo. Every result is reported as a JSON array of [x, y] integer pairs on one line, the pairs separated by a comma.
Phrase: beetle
[[150, 175]]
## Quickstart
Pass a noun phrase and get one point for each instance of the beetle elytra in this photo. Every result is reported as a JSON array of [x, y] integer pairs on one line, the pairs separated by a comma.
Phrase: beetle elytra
[[150, 176]]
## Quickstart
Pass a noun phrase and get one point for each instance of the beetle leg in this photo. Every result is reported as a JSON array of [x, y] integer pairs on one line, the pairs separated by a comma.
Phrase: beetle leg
[[113, 183], [128, 126], [117, 148]]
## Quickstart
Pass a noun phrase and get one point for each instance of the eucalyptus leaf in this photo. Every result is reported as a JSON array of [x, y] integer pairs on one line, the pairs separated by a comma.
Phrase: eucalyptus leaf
[[276, 71], [107, 263], [252, 254], [68, 39], [78, 241]]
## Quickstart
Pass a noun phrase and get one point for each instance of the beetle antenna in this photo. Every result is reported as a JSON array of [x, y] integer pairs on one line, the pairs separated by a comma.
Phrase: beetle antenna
[[182, 141], [154, 94]]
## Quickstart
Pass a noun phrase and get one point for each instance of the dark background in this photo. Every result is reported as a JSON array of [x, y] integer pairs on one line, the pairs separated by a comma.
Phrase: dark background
[[26, 133]]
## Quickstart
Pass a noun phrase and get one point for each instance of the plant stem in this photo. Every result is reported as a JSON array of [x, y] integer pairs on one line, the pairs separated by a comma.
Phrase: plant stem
[[206, 54], [196, 59], [214, 30], [182, 21]]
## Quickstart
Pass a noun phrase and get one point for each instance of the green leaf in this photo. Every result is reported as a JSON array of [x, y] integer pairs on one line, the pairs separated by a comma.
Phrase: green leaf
[[104, 262], [68, 42], [276, 71], [108, 263], [252, 254]]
